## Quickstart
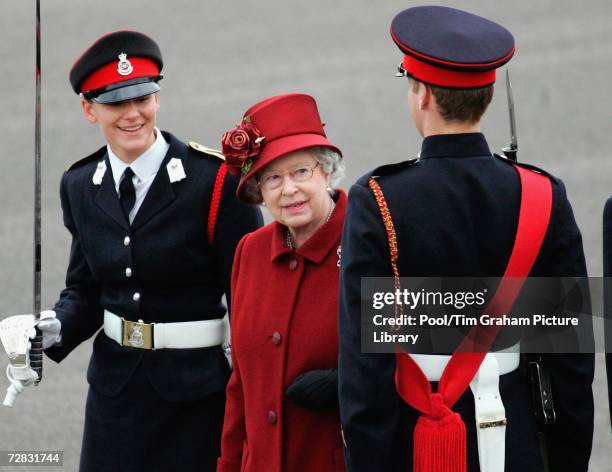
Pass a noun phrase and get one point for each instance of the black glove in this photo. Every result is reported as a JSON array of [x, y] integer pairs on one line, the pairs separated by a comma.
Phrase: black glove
[[315, 389]]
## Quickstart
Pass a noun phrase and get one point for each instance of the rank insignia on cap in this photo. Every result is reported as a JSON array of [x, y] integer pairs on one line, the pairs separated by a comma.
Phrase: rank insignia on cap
[[450, 48], [124, 67]]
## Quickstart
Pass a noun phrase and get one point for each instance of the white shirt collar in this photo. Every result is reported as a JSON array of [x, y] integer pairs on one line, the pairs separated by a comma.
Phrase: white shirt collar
[[145, 165]]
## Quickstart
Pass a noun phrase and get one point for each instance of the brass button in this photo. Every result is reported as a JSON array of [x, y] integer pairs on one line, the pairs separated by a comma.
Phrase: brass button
[[272, 417], [276, 338], [293, 263]]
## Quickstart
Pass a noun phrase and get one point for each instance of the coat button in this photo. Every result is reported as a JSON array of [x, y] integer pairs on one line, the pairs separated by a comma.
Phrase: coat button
[[128, 272], [272, 417], [293, 263], [276, 338], [126, 241], [136, 296]]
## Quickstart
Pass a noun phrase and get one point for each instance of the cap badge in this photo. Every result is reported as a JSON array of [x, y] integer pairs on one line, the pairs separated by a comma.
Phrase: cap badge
[[125, 66]]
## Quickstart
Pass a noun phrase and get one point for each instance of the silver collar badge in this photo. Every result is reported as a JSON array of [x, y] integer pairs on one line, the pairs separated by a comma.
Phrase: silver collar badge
[[176, 172], [99, 173]]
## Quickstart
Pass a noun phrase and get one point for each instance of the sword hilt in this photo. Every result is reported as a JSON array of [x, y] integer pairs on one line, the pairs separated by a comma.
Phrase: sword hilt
[[36, 355], [510, 153]]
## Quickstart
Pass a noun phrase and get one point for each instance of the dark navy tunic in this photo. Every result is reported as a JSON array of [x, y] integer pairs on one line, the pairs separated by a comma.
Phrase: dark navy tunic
[[150, 410], [455, 213]]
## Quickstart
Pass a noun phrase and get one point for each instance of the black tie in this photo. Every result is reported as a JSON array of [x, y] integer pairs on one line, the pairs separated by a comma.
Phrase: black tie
[[127, 193]]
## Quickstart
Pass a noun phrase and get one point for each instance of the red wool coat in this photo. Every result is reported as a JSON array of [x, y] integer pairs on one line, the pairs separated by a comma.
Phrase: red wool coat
[[284, 323]]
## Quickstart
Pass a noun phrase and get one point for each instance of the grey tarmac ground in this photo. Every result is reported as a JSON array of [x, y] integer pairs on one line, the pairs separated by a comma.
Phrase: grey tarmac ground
[[221, 57]]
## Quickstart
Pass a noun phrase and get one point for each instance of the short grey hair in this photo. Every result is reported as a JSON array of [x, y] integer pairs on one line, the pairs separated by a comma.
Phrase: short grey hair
[[331, 161]]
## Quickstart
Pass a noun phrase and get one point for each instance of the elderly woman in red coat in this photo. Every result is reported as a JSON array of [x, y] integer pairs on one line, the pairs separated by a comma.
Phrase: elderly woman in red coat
[[282, 410]]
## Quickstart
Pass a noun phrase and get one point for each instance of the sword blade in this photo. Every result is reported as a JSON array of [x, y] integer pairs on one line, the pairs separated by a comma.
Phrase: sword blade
[[513, 135], [36, 351]]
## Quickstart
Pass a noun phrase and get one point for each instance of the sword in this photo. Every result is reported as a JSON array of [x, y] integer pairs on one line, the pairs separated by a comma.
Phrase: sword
[[539, 377], [36, 352], [15, 331], [511, 151]]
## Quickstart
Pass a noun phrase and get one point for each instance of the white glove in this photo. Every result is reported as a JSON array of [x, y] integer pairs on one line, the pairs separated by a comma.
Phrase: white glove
[[50, 327]]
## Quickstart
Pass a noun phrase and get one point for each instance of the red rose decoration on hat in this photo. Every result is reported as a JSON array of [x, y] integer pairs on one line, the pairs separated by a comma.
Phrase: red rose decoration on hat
[[240, 146]]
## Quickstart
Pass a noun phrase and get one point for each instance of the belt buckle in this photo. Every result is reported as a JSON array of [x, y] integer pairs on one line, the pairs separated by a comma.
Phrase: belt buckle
[[137, 334]]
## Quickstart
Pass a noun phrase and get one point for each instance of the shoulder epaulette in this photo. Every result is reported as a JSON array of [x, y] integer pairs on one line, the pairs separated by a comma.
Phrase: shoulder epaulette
[[92, 157], [206, 150], [387, 169], [524, 165]]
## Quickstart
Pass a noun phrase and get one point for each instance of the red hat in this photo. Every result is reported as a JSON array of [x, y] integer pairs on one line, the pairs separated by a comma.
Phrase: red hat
[[271, 129]]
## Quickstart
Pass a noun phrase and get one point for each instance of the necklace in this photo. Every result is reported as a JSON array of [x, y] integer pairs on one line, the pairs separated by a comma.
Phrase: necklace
[[289, 239]]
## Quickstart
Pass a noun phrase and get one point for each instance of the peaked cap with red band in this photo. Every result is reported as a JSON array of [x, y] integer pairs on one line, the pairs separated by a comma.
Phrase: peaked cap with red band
[[118, 66], [450, 48], [287, 123]]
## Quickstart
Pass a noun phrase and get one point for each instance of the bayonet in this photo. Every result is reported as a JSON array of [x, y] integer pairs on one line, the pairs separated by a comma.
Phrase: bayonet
[[511, 151]]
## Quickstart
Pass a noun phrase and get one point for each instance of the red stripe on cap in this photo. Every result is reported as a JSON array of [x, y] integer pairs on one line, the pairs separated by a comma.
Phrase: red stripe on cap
[[434, 75], [108, 74]]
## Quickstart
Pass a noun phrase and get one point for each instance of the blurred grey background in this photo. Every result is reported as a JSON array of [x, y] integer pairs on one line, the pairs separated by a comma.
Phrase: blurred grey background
[[223, 56]]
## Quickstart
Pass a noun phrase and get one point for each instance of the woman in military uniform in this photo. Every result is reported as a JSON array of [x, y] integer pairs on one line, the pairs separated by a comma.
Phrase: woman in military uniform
[[154, 225]]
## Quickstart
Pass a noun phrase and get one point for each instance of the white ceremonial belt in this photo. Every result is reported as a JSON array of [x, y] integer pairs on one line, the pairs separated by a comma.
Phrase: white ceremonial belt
[[490, 412], [433, 365], [183, 335]]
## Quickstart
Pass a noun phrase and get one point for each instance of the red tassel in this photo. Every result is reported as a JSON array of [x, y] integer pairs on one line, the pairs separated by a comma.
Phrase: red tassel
[[440, 444]]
